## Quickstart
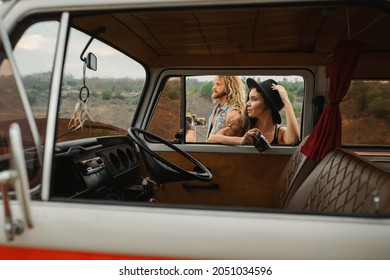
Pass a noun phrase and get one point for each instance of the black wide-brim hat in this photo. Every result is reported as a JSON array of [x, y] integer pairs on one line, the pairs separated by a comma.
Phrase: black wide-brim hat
[[271, 96]]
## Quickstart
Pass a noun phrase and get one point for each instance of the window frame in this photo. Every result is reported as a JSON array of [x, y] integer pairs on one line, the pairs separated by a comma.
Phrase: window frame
[[184, 73]]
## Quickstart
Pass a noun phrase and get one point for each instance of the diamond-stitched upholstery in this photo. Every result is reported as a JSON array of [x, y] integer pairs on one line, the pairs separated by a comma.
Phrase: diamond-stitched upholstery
[[344, 182], [295, 172]]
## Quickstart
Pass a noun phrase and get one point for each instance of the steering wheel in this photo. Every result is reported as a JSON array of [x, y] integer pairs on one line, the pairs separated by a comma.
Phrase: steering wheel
[[161, 169]]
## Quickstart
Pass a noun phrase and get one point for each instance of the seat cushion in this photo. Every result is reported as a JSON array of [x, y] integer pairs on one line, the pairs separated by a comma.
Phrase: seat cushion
[[344, 182], [295, 172]]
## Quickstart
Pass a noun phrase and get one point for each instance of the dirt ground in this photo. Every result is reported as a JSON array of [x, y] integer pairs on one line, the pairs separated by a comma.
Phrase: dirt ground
[[357, 127]]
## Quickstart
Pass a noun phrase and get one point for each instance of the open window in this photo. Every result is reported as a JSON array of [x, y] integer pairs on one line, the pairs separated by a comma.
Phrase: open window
[[185, 104], [365, 113], [165, 121], [14, 109]]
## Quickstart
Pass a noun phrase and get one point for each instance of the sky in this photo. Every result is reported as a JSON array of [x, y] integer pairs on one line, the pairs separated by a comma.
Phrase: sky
[[34, 53]]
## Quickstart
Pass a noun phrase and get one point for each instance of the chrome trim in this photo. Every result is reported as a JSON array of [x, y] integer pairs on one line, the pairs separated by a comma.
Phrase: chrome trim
[[53, 107], [21, 184], [219, 148]]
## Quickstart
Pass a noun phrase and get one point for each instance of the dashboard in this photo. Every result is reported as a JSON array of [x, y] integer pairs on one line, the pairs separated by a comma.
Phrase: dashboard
[[97, 168]]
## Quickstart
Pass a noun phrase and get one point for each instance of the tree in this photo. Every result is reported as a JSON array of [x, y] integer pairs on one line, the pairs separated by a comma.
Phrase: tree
[[207, 89], [172, 89], [106, 94]]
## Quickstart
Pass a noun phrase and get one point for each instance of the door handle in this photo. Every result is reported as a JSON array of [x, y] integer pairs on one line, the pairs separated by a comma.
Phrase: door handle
[[211, 186], [12, 228], [17, 176]]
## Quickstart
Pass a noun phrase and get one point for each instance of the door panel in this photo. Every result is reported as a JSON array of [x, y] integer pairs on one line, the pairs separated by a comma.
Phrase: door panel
[[243, 180], [161, 232]]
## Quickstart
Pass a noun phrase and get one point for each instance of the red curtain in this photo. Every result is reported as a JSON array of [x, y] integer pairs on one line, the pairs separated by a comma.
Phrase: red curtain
[[326, 135]]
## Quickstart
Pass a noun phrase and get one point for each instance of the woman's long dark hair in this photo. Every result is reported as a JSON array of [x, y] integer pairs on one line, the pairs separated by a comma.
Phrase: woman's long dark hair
[[247, 122]]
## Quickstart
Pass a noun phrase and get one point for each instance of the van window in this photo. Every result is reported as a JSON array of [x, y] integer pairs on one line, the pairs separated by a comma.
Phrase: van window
[[199, 103], [34, 55], [365, 113], [165, 121], [171, 121], [12, 111]]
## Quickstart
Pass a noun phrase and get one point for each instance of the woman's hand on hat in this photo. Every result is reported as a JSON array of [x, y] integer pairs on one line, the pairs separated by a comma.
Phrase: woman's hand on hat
[[282, 92]]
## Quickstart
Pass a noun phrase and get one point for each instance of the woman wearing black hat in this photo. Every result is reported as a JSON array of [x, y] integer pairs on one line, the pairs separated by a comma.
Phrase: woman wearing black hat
[[261, 116]]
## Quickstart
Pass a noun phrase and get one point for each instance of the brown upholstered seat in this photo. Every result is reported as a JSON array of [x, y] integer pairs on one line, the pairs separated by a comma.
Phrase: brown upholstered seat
[[344, 182], [295, 172]]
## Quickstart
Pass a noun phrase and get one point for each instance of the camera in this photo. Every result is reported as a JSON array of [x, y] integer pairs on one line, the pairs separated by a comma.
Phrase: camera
[[261, 144]]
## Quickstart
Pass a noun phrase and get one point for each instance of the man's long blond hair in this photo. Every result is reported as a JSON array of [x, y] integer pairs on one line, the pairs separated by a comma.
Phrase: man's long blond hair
[[235, 92]]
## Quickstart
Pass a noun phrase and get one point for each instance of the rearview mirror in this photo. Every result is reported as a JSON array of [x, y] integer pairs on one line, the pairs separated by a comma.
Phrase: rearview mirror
[[91, 61]]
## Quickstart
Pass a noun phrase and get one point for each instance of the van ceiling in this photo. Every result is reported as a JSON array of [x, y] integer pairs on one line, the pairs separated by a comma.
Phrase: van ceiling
[[285, 36]]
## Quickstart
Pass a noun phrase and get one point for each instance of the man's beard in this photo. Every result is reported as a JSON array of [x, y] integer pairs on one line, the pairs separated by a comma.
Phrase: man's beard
[[216, 95]]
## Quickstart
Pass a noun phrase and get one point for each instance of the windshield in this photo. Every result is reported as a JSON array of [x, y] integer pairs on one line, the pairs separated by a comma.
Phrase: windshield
[[101, 102], [93, 102]]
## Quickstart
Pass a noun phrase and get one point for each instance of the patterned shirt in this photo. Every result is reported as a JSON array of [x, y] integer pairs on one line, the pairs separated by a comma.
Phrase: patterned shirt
[[220, 114]]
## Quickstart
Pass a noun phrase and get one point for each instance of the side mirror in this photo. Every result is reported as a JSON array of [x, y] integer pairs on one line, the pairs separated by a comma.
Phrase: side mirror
[[91, 61]]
